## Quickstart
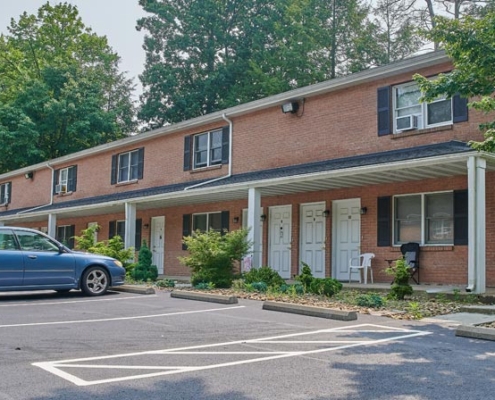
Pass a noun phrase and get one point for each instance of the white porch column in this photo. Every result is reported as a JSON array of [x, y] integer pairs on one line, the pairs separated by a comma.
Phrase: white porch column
[[476, 225], [52, 225], [130, 225], [253, 223]]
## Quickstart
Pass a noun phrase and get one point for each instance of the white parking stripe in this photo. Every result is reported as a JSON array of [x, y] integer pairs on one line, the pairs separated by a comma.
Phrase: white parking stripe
[[32, 304], [83, 321], [55, 366]]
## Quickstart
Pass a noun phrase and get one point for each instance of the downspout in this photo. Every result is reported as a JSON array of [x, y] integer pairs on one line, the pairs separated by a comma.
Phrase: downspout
[[229, 174], [51, 196]]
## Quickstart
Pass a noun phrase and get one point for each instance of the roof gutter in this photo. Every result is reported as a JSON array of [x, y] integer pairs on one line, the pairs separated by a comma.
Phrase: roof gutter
[[51, 195], [229, 173]]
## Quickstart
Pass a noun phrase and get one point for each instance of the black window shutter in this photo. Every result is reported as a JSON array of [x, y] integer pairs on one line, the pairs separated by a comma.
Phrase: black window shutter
[[140, 162], [112, 226], [460, 217], [460, 112], [2, 193], [384, 221], [72, 179], [225, 221], [60, 234], [187, 153], [56, 177], [383, 111], [71, 234], [137, 242], [9, 186], [113, 179], [186, 227], [225, 144]]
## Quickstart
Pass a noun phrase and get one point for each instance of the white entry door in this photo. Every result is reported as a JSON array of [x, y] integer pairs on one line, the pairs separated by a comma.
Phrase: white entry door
[[347, 235], [313, 237], [280, 236], [158, 242]]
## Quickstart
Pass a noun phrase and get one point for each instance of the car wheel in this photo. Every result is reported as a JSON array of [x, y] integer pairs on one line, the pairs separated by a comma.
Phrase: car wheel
[[95, 281]]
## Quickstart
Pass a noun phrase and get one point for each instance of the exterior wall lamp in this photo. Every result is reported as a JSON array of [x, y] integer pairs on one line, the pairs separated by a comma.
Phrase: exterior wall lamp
[[235, 220], [290, 107], [263, 217], [363, 210], [29, 175], [326, 213]]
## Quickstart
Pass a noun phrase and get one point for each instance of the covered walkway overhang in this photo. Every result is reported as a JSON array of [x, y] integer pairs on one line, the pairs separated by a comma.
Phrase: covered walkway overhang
[[378, 169]]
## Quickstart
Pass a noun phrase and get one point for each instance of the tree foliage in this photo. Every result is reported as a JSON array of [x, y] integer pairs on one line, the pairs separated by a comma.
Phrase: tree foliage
[[470, 43], [60, 88]]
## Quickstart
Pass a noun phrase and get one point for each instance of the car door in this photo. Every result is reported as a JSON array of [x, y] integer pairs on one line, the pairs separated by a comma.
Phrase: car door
[[11, 260], [44, 264]]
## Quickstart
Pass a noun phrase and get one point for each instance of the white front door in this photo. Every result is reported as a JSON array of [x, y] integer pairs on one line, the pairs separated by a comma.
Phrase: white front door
[[313, 237], [347, 235], [280, 236], [158, 242]]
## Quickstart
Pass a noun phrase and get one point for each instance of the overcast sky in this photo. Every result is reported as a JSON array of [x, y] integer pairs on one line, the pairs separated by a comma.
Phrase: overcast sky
[[115, 19]]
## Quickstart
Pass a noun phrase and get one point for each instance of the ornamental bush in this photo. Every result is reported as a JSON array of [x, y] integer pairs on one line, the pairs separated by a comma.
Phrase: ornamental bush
[[144, 270], [264, 274], [400, 287], [212, 256]]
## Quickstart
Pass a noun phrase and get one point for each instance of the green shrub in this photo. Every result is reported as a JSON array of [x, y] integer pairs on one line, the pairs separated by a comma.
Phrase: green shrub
[[371, 300], [113, 247], [263, 274], [306, 277], [212, 256], [261, 287], [238, 284], [165, 283], [205, 286], [325, 286], [144, 270], [400, 287], [295, 289]]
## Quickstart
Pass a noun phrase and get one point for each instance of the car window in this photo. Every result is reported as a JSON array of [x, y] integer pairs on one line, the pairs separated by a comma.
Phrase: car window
[[34, 241], [7, 241]]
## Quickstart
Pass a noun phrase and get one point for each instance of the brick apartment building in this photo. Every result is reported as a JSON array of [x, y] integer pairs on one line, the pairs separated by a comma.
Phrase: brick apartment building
[[320, 174]]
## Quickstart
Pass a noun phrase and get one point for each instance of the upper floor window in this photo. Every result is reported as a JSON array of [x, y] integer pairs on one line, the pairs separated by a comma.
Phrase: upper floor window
[[65, 180], [424, 218], [410, 113], [399, 109], [5, 193], [206, 149], [127, 167]]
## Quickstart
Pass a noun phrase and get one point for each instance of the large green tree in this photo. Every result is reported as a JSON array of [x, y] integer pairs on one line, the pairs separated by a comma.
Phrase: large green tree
[[60, 88], [470, 43], [205, 56]]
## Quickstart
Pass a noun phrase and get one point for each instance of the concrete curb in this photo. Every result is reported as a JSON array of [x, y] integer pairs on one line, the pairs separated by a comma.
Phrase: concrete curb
[[213, 298], [134, 289], [310, 311], [487, 310], [475, 332]]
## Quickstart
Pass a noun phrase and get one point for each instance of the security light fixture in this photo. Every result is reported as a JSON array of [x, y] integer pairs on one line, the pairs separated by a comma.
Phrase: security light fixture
[[29, 175], [290, 107], [363, 210], [326, 213]]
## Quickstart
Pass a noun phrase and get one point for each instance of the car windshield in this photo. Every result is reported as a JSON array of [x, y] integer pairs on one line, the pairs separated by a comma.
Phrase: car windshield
[[35, 241]]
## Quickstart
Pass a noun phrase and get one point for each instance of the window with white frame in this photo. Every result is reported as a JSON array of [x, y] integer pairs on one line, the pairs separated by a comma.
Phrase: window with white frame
[[424, 218], [5, 193], [208, 149], [410, 113], [207, 221], [128, 166], [65, 180]]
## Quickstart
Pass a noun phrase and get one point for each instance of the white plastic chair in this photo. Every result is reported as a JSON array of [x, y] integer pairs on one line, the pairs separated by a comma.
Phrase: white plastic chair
[[364, 265]]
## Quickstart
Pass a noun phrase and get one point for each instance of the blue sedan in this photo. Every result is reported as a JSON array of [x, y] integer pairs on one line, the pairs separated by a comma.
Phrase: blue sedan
[[31, 260]]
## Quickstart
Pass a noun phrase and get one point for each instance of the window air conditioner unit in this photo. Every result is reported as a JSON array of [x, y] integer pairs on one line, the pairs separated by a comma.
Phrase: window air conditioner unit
[[407, 123], [61, 188]]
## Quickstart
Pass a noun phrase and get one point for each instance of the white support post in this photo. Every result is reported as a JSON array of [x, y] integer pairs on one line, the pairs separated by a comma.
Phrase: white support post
[[253, 223], [476, 225], [130, 225], [52, 225]]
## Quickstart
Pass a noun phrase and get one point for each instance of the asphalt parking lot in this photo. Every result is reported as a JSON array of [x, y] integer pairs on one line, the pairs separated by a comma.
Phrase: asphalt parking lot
[[130, 346]]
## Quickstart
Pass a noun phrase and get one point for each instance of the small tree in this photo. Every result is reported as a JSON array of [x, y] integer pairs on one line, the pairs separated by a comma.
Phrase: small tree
[[212, 255], [400, 286], [144, 270], [113, 247]]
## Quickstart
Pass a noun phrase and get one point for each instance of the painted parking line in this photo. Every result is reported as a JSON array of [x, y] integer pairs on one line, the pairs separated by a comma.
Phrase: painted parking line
[[85, 321], [31, 303], [179, 360]]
